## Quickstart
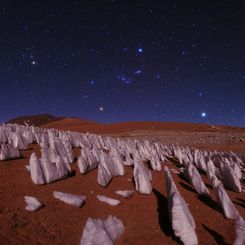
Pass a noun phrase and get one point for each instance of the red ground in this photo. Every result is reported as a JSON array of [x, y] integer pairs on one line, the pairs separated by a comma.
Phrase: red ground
[[145, 217]]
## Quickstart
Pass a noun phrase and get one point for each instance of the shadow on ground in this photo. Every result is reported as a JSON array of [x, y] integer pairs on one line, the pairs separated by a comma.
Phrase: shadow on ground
[[217, 237], [163, 216], [210, 203]]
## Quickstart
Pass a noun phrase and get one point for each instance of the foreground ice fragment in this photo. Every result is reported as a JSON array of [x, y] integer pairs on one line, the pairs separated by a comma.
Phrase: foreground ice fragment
[[8, 151], [125, 193], [76, 200], [108, 168], [102, 232], [155, 161], [231, 180], [44, 171], [17, 140], [87, 161], [183, 223], [37, 175], [110, 201], [142, 176], [240, 231], [195, 179], [223, 199], [32, 204]]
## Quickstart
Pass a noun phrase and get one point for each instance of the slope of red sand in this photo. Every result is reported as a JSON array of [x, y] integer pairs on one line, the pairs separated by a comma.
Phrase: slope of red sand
[[79, 125], [73, 124]]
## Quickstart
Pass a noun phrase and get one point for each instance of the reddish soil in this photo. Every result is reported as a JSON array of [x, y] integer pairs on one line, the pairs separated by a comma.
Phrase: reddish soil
[[145, 217], [79, 125]]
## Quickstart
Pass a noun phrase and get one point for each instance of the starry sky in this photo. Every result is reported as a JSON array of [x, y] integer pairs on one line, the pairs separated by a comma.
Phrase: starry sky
[[124, 60]]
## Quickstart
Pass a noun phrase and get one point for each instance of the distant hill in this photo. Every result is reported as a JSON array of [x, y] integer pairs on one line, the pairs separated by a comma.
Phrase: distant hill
[[81, 125], [75, 124], [35, 120]]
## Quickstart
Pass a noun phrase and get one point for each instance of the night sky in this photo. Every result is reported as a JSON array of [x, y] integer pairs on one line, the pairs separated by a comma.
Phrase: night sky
[[119, 60]]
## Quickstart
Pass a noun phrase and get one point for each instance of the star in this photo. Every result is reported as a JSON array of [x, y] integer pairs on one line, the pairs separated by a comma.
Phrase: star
[[203, 114], [137, 72], [92, 82], [101, 108], [124, 79], [33, 62], [140, 50]]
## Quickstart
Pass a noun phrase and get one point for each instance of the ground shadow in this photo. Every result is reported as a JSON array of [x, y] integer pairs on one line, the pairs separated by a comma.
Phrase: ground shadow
[[217, 237], [148, 164], [209, 186], [133, 182], [201, 171], [240, 204], [73, 173], [28, 149], [241, 200], [210, 202], [163, 216], [187, 187], [175, 161], [182, 177], [14, 158]]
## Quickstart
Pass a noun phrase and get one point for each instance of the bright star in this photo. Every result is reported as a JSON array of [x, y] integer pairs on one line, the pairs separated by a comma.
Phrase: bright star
[[33, 62], [203, 114], [140, 50], [101, 108]]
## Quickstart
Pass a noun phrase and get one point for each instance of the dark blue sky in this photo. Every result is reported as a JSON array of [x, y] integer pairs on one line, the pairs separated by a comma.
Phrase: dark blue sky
[[124, 60]]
